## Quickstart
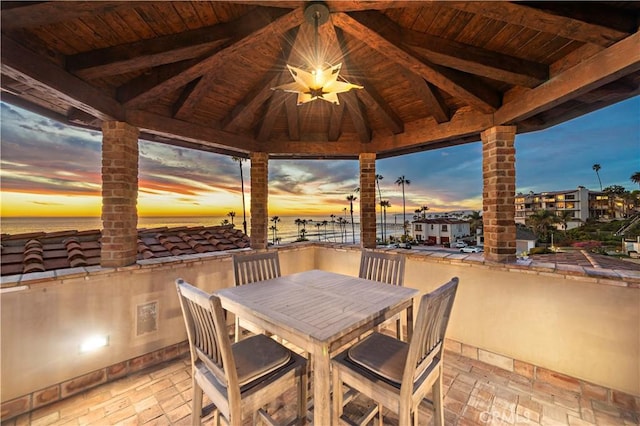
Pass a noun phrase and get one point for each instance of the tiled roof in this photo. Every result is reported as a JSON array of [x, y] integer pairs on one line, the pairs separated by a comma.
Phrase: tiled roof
[[588, 260], [39, 252]]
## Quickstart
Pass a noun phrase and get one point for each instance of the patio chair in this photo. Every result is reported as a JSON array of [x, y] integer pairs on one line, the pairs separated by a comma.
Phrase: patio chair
[[387, 268], [395, 374], [240, 378], [250, 268]]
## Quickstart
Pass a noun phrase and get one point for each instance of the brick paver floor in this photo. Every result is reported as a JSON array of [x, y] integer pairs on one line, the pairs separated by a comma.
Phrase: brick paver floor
[[475, 394]]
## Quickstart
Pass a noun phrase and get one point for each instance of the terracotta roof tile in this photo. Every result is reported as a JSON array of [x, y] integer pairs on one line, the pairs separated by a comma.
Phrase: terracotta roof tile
[[41, 251]]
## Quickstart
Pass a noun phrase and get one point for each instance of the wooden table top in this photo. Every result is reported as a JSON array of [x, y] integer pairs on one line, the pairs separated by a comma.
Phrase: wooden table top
[[321, 305]]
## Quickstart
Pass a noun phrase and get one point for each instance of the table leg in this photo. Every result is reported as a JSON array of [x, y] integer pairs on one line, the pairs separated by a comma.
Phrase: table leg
[[321, 387]]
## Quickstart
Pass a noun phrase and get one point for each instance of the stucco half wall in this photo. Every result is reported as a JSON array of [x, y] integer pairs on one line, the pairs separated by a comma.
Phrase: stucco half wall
[[581, 326]]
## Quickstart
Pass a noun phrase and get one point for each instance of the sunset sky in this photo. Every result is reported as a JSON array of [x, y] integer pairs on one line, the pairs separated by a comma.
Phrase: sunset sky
[[49, 169]]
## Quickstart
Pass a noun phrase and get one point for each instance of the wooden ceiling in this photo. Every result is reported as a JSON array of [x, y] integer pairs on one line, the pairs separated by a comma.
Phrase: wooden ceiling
[[200, 74]]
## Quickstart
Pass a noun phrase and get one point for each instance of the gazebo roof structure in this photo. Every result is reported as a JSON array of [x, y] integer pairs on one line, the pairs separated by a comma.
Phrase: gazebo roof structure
[[434, 74]]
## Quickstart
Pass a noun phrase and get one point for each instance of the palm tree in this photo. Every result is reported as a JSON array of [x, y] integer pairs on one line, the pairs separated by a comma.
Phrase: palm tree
[[424, 209], [351, 198], [318, 225], [475, 221], [378, 179], [635, 178], [564, 216], [244, 209], [325, 223], [333, 226], [541, 223], [274, 228], [384, 204], [402, 181], [596, 168], [298, 222], [231, 215]]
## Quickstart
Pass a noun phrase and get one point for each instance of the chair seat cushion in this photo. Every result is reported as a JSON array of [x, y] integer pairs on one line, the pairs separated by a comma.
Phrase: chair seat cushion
[[382, 355], [257, 356]]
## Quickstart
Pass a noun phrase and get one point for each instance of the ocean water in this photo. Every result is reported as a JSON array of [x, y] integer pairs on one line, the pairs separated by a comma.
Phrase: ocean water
[[287, 229]]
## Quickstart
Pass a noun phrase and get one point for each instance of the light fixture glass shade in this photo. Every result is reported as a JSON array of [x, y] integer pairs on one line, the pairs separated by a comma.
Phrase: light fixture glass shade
[[317, 84]]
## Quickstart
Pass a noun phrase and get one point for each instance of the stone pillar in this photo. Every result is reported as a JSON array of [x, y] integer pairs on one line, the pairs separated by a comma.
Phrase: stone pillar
[[259, 199], [498, 195], [368, 200], [119, 194]]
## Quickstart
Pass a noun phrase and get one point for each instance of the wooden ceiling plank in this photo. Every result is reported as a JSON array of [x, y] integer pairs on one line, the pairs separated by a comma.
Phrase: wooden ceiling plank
[[541, 20], [369, 95], [27, 67], [170, 127], [149, 53], [358, 116], [244, 41], [393, 50], [183, 107], [429, 96], [475, 60], [374, 101], [293, 121], [335, 122], [276, 103], [338, 5], [34, 14], [245, 111], [602, 68], [149, 80]]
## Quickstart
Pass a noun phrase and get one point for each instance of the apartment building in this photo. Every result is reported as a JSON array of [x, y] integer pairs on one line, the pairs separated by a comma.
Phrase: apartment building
[[582, 203]]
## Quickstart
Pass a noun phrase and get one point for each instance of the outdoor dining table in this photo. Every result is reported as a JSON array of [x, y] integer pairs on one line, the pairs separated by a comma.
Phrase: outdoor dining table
[[319, 312]]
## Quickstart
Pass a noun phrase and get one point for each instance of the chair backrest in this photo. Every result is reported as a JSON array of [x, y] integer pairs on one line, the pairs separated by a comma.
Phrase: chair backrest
[[254, 267], [383, 267], [427, 343], [207, 333]]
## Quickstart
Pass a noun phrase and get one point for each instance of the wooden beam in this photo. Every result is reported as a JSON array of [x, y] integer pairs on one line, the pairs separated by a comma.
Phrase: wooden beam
[[459, 56], [44, 76], [480, 97], [621, 59], [369, 95], [246, 40], [149, 53], [529, 17], [465, 123], [338, 5], [429, 96], [275, 105], [171, 128]]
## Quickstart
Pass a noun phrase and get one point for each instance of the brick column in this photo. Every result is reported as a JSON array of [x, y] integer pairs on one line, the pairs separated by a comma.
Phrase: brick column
[[119, 194], [259, 199], [368, 200], [498, 195]]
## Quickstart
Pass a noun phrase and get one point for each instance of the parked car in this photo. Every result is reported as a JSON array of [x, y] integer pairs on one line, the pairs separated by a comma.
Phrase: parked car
[[392, 245], [459, 244], [471, 249], [405, 245]]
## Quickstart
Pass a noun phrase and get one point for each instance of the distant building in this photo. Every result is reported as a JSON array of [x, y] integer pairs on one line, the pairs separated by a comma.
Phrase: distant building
[[582, 203], [440, 231]]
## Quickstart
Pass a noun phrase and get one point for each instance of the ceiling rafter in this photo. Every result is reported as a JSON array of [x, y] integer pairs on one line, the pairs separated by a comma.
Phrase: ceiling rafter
[[602, 68], [476, 95], [369, 95], [429, 96], [544, 21], [358, 116], [245, 40], [244, 112], [452, 54], [150, 53], [27, 67]]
